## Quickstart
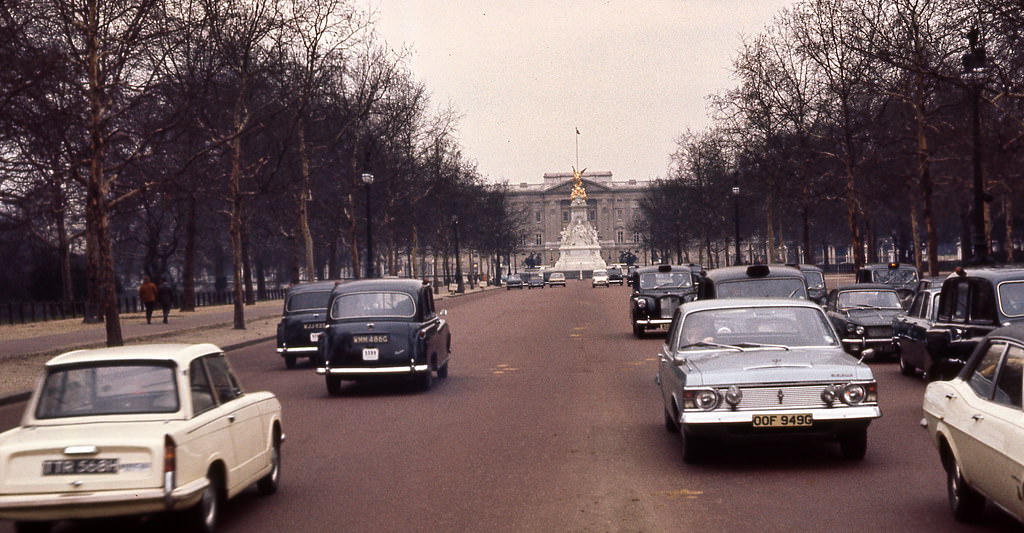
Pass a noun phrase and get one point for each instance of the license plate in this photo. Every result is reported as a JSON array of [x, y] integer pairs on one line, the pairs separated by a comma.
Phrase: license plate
[[664, 327], [370, 339], [63, 467], [313, 337], [371, 354], [783, 421]]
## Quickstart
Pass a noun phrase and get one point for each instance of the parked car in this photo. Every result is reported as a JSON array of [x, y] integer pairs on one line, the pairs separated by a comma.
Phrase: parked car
[[556, 278], [136, 430], [749, 368], [901, 277], [614, 275], [863, 314], [303, 320], [973, 302], [975, 422], [514, 281], [910, 333], [379, 328], [599, 277], [762, 281], [817, 290], [657, 292]]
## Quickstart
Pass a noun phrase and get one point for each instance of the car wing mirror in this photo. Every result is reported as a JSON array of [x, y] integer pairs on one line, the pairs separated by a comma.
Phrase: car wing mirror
[[444, 312]]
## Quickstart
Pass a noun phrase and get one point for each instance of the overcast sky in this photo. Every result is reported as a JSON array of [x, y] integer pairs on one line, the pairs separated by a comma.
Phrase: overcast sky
[[632, 75]]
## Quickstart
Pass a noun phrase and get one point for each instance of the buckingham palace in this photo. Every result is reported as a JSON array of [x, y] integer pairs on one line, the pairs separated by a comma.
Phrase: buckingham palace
[[611, 208]]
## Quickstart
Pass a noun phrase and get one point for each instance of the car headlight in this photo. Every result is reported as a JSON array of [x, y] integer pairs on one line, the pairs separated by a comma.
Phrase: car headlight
[[854, 394], [641, 303], [830, 394], [860, 330], [704, 399], [733, 396]]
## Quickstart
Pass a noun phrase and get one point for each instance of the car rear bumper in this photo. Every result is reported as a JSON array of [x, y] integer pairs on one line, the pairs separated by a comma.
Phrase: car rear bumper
[[297, 349], [98, 504], [373, 371]]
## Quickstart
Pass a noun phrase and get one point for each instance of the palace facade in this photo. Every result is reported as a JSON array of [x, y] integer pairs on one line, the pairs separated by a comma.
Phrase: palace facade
[[612, 206]]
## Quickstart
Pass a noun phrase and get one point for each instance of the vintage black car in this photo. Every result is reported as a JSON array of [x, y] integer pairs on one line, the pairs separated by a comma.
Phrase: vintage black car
[[862, 313], [614, 275], [903, 278], [817, 290], [753, 281], [973, 302], [383, 328], [910, 332], [514, 281], [303, 320], [534, 280], [657, 292]]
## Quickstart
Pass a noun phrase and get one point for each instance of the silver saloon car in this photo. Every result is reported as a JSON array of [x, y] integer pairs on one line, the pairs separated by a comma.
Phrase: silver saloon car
[[750, 368]]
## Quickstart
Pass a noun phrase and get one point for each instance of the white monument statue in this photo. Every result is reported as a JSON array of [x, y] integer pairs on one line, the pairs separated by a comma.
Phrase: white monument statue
[[579, 249]]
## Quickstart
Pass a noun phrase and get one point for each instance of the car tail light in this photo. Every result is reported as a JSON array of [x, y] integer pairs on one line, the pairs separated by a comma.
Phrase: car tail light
[[170, 468]]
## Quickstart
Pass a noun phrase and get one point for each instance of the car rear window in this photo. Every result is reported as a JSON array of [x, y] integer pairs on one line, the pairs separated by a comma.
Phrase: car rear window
[[108, 389], [762, 288], [308, 301], [665, 280], [373, 304]]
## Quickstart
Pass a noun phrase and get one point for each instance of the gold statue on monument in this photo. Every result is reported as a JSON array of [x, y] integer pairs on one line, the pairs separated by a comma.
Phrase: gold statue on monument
[[577, 188]]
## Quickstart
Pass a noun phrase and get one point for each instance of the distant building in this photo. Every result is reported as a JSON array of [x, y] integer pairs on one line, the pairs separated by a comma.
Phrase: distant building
[[611, 208]]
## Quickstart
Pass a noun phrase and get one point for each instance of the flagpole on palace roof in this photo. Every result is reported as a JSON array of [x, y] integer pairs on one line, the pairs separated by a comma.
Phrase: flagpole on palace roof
[[577, 148]]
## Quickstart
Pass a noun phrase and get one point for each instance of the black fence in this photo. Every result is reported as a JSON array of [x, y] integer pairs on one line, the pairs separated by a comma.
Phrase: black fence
[[26, 312]]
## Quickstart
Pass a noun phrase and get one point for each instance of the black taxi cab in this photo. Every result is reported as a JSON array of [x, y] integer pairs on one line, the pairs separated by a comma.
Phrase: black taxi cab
[[657, 292], [380, 328], [754, 281], [303, 320], [901, 277]]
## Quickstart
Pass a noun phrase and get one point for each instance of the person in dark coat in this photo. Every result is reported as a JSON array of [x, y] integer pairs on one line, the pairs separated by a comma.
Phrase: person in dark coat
[[165, 294], [147, 295]]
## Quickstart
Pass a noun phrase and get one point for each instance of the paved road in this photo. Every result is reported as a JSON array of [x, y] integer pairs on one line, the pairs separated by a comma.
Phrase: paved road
[[551, 421]]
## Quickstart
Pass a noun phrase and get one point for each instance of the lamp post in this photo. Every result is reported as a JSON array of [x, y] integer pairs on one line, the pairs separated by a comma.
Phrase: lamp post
[[458, 263], [368, 180], [974, 73], [736, 220]]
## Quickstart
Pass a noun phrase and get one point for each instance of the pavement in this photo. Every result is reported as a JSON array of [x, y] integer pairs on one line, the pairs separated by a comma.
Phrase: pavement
[[27, 347]]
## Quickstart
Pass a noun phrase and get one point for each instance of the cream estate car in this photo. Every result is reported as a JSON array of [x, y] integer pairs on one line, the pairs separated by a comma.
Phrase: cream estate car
[[977, 423], [136, 430]]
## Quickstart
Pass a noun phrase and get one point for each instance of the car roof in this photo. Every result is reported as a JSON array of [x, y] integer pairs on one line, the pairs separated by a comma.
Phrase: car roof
[[732, 303], [888, 266], [380, 284], [806, 267], [313, 286], [1007, 273], [742, 272], [182, 354], [1014, 331], [865, 287], [666, 268]]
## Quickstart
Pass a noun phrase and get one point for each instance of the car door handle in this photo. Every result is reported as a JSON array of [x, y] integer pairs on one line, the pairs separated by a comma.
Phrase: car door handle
[[950, 396], [977, 418], [231, 418]]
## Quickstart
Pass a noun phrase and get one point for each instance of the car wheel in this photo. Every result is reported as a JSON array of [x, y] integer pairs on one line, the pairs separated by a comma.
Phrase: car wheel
[[670, 423], [638, 331], [289, 361], [426, 380], [906, 368], [966, 503], [693, 447], [334, 385], [203, 516], [33, 527], [267, 485], [854, 444], [442, 372]]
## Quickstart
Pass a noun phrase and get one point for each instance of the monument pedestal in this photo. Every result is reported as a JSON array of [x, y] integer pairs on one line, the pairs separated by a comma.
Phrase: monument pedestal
[[579, 248]]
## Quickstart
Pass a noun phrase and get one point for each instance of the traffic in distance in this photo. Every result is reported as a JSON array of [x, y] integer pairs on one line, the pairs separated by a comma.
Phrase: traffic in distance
[[747, 356]]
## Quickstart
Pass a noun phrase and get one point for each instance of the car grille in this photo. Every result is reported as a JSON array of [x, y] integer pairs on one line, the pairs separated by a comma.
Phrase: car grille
[[793, 396], [667, 306], [879, 332], [314, 325]]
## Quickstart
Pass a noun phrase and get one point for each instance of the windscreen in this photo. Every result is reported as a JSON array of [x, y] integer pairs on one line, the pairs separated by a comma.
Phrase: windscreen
[[789, 326], [373, 305]]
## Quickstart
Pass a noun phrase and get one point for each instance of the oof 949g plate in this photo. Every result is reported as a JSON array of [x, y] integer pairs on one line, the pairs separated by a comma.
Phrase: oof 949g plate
[[783, 421]]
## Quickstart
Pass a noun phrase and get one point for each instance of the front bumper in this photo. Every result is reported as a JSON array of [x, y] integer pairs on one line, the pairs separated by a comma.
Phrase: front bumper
[[879, 344], [860, 413], [71, 506]]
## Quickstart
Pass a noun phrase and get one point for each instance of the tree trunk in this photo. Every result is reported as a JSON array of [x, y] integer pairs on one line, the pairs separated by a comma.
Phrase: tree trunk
[[305, 194], [188, 271]]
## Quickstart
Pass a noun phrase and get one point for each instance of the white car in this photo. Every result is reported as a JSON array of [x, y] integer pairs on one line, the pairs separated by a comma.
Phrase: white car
[[599, 277], [135, 430], [976, 422]]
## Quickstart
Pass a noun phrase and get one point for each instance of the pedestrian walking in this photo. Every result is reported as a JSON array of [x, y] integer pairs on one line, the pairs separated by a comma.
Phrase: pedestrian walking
[[166, 296], [147, 295]]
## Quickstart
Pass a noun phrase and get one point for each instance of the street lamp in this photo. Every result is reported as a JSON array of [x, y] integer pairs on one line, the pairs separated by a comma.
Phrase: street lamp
[[368, 180], [736, 220], [974, 74], [461, 288]]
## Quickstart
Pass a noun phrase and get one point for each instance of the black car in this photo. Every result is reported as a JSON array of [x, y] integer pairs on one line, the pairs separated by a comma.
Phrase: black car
[[910, 332], [817, 290], [380, 328], [753, 281], [973, 302], [903, 278], [534, 280], [303, 320], [862, 313], [514, 281], [657, 292], [614, 275]]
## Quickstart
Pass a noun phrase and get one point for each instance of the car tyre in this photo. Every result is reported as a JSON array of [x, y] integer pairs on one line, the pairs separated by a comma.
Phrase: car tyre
[[670, 423], [41, 526], [333, 385], [203, 516], [638, 331], [426, 380], [854, 444], [693, 447], [966, 503], [906, 368], [268, 484], [290, 361], [442, 372]]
